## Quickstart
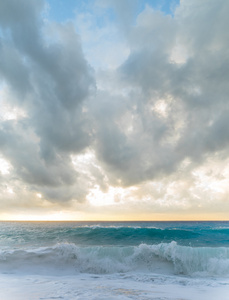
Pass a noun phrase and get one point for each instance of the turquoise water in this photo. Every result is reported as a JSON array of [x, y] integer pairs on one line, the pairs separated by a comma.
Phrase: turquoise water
[[196, 234], [188, 248]]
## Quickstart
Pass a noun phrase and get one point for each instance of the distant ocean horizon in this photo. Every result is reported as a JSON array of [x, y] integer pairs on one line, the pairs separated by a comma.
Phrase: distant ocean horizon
[[174, 253]]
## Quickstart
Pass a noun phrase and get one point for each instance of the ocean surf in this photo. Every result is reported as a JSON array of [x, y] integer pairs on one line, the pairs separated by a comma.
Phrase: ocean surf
[[135, 257]]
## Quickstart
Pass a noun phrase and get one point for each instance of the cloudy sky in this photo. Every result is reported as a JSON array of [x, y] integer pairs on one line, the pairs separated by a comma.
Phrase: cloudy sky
[[114, 109]]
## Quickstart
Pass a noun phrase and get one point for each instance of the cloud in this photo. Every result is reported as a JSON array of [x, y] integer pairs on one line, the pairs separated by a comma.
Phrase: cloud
[[155, 115], [194, 94], [45, 74]]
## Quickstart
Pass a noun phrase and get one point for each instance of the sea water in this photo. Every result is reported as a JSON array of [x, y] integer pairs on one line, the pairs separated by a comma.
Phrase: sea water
[[114, 260]]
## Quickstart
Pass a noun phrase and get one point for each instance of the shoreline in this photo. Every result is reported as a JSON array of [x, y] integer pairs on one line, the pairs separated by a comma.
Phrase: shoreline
[[115, 286]]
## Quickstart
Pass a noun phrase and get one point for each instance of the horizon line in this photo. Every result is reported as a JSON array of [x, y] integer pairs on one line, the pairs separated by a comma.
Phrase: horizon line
[[114, 221]]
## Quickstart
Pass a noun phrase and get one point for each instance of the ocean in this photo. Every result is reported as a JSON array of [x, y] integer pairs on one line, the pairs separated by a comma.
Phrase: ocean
[[114, 260]]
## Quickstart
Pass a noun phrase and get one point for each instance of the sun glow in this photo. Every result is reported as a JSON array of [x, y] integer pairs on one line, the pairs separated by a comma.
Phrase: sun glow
[[4, 166], [10, 190], [55, 216], [113, 196]]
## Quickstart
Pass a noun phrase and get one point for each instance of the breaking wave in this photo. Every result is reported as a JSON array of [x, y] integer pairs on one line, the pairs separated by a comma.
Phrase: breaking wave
[[164, 258]]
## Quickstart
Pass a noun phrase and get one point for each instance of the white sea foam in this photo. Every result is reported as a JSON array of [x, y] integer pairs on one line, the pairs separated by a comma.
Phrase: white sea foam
[[112, 287], [164, 258]]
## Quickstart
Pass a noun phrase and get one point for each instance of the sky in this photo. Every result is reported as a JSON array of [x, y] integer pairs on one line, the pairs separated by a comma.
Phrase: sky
[[114, 110]]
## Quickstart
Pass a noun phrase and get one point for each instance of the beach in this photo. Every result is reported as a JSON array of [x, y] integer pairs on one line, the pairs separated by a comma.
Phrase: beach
[[121, 287]]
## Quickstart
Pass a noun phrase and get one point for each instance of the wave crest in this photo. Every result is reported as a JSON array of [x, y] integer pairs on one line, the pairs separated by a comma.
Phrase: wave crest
[[164, 258]]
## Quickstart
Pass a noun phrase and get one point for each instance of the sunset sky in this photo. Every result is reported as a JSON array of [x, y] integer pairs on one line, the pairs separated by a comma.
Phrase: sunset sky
[[114, 110]]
